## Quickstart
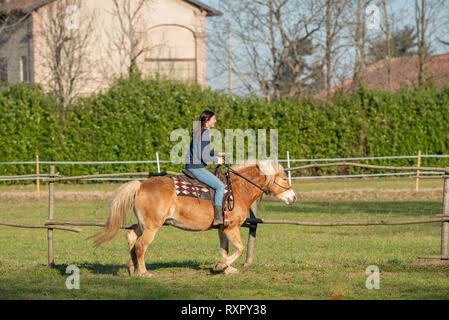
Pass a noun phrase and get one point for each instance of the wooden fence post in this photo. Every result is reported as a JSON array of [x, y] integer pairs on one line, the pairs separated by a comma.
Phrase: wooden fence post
[[37, 174], [417, 171], [288, 166], [445, 224], [51, 212], [251, 235]]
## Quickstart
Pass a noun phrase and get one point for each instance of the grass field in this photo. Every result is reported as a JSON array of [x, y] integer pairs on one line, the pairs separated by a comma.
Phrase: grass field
[[291, 262]]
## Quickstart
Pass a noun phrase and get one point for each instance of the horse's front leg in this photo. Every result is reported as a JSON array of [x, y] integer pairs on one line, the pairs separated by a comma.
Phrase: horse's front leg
[[233, 235], [224, 250]]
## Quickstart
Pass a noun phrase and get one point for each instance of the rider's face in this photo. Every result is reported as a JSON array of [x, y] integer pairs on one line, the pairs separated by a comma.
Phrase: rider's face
[[211, 122]]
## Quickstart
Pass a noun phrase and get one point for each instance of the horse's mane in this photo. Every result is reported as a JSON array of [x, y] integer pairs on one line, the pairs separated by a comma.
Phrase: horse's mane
[[267, 167]]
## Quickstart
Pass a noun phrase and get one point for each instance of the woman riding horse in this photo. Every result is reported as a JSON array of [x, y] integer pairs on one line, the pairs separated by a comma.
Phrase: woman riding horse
[[155, 203], [200, 154]]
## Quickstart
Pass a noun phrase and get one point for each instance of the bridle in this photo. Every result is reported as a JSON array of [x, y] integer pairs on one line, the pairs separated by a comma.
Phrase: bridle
[[265, 191]]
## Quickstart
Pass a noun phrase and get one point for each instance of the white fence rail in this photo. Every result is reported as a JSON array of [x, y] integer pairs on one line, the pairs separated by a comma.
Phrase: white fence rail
[[289, 162]]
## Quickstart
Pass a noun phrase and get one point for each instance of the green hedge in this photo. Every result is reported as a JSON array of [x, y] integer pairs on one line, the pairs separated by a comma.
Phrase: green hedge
[[134, 119]]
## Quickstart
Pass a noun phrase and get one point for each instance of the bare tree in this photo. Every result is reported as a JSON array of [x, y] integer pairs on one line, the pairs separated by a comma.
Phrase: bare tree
[[421, 27], [11, 17], [359, 36], [276, 46], [65, 52], [129, 41], [385, 45], [426, 14], [387, 32], [402, 44], [338, 15]]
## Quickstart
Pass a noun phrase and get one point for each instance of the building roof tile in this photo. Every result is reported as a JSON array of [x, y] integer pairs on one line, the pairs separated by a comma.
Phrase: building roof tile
[[404, 72]]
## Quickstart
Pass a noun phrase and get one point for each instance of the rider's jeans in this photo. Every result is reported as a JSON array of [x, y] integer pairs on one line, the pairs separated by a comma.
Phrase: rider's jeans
[[208, 178]]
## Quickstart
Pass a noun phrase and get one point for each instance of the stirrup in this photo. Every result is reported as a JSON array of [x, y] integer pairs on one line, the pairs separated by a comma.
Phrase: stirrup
[[219, 218], [224, 222], [227, 222], [218, 222]]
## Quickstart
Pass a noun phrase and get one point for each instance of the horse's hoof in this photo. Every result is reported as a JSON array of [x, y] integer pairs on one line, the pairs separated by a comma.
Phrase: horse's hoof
[[219, 266], [131, 269], [230, 270], [145, 275]]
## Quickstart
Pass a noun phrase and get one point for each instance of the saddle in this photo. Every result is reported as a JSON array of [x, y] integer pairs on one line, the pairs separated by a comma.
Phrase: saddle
[[198, 185], [188, 184]]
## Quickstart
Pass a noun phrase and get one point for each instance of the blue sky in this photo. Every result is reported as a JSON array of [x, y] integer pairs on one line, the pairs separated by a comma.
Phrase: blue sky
[[403, 13]]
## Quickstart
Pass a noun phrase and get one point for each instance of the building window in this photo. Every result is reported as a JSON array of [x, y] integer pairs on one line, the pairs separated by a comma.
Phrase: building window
[[3, 69], [172, 53], [24, 66], [175, 69]]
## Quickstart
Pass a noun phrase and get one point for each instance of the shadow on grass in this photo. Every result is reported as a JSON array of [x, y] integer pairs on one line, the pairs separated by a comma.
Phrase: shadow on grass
[[176, 264], [47, 284], [95, 268], [114, 269]]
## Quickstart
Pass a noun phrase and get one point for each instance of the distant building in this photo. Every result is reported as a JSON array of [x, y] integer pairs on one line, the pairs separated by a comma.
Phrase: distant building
[[170, 33], [404, 73]]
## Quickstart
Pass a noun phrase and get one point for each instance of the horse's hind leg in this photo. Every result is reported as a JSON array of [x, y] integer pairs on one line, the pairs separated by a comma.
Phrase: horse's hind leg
[[224, 250], [132, 236], [141, 247]]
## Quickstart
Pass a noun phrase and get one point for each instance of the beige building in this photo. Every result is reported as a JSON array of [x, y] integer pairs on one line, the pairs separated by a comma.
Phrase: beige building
[[80, 46]]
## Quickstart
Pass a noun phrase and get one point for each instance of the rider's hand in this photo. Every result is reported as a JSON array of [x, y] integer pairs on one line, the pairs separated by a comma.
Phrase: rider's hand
[[222, 154], [220, 160]]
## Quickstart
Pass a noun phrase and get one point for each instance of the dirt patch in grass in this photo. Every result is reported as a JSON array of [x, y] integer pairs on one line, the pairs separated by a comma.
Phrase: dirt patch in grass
[[428, 263], [429, 194]]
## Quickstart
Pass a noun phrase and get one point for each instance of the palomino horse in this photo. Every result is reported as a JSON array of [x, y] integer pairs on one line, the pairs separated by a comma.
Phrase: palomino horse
[[154, 202]]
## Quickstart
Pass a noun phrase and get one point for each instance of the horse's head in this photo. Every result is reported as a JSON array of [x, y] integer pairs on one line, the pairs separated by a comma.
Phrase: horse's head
[[276, 181]]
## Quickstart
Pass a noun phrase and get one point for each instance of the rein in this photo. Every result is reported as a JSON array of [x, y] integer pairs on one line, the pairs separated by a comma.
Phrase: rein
[[254, 184]]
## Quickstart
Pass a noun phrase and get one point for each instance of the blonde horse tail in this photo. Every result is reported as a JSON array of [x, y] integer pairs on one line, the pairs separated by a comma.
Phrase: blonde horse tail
[[122, 200]]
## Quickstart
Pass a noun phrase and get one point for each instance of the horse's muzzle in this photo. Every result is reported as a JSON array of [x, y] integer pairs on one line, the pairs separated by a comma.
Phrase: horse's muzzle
[[292, 200], [289, 197]]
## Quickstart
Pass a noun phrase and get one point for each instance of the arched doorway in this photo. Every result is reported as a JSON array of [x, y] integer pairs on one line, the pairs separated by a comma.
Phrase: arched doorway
[[172, 53]]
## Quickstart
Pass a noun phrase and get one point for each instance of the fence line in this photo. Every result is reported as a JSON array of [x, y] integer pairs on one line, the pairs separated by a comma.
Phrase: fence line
[[38, 226], [110, 177], [368, 166], [158, 162], [367, 158], [346, 223], [411, 174], [252, 222], [168, 161], [84, 162], [30, 176], [107, 175]]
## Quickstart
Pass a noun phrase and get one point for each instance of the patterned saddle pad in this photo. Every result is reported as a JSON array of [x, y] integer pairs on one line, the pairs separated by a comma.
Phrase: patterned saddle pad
[[185, 189]]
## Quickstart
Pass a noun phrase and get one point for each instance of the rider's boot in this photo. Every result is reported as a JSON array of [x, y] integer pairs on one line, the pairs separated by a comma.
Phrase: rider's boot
[[218, 216]]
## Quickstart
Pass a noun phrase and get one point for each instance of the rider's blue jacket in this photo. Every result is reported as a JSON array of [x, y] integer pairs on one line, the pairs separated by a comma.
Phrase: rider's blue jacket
[[200, 152]]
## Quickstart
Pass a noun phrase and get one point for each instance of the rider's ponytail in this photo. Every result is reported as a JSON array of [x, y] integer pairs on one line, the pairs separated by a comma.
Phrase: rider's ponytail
[[204, 117]]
